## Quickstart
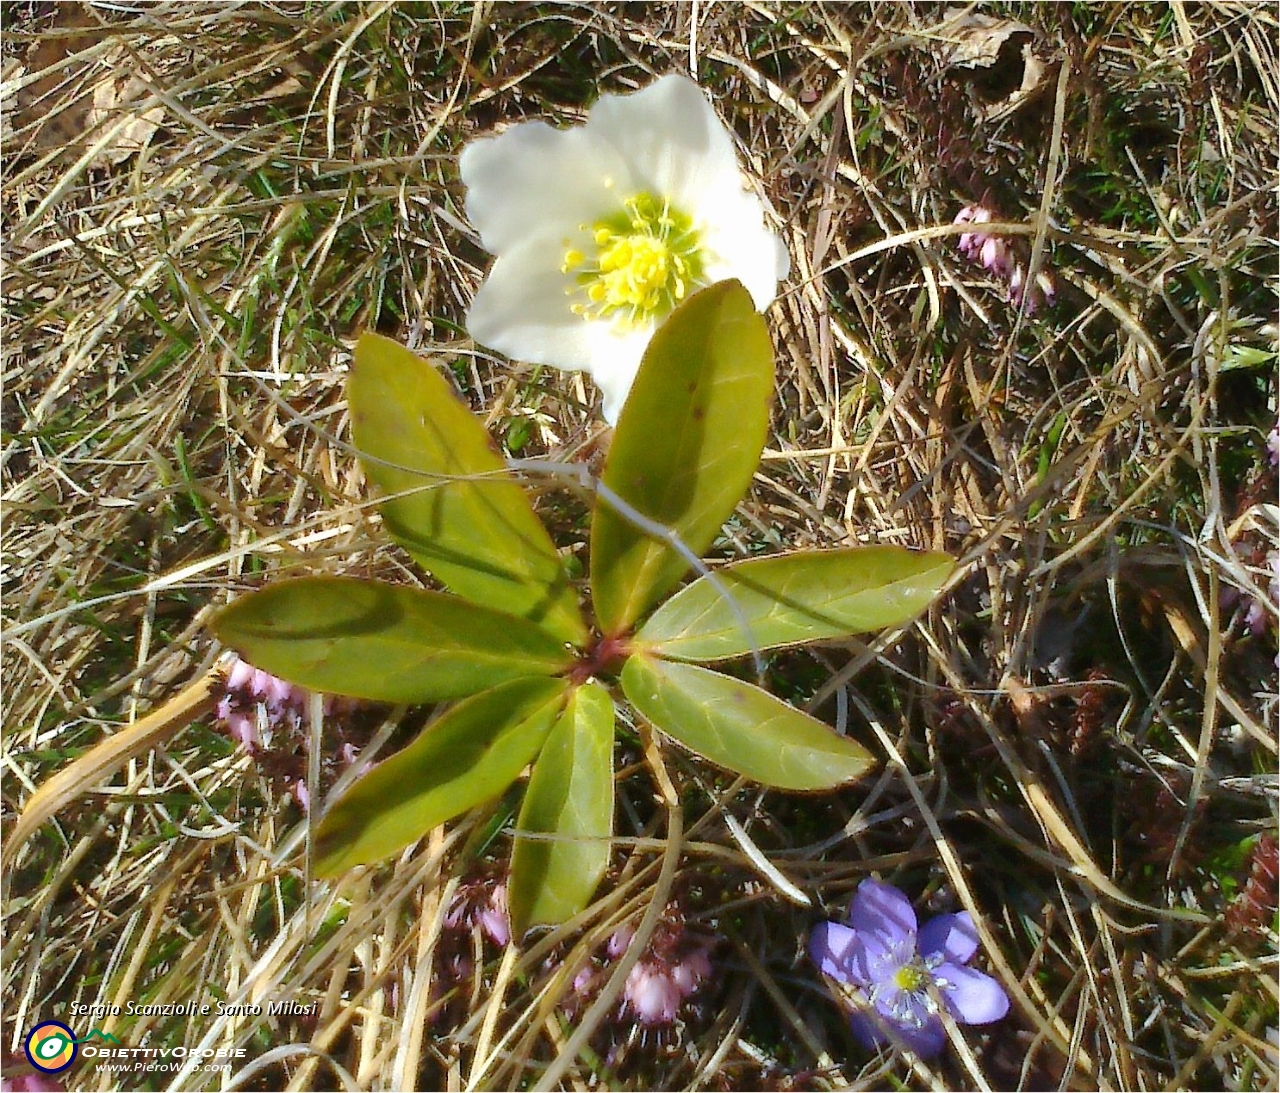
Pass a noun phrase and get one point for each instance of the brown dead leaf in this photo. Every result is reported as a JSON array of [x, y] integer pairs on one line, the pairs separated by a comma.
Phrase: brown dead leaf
[[997, 54], [113, 97], [72, 99], [978, 39]]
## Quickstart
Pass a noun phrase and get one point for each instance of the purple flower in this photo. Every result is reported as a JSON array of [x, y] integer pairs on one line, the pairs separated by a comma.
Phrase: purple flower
[[904, 972]]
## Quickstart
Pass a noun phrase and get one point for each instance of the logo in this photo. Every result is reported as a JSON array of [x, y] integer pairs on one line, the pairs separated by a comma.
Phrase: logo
[[51, 1047]]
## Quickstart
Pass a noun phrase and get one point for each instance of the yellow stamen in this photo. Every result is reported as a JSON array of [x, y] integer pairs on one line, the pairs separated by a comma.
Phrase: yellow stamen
[[648, 257]]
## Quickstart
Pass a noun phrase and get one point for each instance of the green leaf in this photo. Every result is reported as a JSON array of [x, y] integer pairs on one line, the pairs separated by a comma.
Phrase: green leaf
[[570, 798], [383, 642], [467, 756], [466, 520], [687, 444], [795, 598], [1239, 355], [741, 727]]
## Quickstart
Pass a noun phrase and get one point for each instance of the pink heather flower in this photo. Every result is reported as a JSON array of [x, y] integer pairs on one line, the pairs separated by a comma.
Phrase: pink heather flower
[[268, 716], [493, 918], [651, 995], [1257, 615], [483, 904], [664, 978], [906, 972], [690, 972], [672, 970], [240, 676], [619, 940], [1251, 610], [31, 1083], [1273, 445], [586, 979], [995, 255]]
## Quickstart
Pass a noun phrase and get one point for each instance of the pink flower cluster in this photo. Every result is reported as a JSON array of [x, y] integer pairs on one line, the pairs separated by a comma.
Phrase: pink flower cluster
[[478, 911], [996, 255], [483, 904], [256, 703], [670, 973], [1253, 614], [268, 716]]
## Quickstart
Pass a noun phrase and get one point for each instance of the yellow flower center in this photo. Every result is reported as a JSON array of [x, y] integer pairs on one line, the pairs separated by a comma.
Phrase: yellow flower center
[[909, 978], [647, 258]]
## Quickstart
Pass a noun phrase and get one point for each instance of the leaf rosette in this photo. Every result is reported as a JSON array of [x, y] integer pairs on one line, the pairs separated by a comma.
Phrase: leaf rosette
[[535, 663]]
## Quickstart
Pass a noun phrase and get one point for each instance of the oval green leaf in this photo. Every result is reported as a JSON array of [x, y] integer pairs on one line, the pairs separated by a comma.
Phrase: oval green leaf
[[383, 642], [570, 800], [453, 505], [688, 441], [467, 756], [741, 727], [794, 598]]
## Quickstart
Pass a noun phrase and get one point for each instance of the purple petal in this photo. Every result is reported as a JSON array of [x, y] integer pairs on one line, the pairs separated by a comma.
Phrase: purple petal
[[926, 1041], [879, 956], [903, 1008], [972, 996], [953, 936], [883, 910], [494, 923], [833, 948]]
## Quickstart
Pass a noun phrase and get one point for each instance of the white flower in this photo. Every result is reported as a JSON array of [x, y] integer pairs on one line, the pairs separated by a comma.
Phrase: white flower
[[601, 230]]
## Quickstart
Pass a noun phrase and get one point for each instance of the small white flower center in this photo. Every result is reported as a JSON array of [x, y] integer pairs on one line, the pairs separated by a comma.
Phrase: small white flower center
[[647, 258]]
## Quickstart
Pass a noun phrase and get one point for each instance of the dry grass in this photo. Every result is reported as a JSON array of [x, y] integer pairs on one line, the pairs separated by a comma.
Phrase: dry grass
[[1079, 740]]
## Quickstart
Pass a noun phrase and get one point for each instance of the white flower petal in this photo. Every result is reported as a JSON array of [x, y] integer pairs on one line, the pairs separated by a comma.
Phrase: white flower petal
[[522, 310], [742, 247], [669, 137], [533, 179], [616, 366]]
